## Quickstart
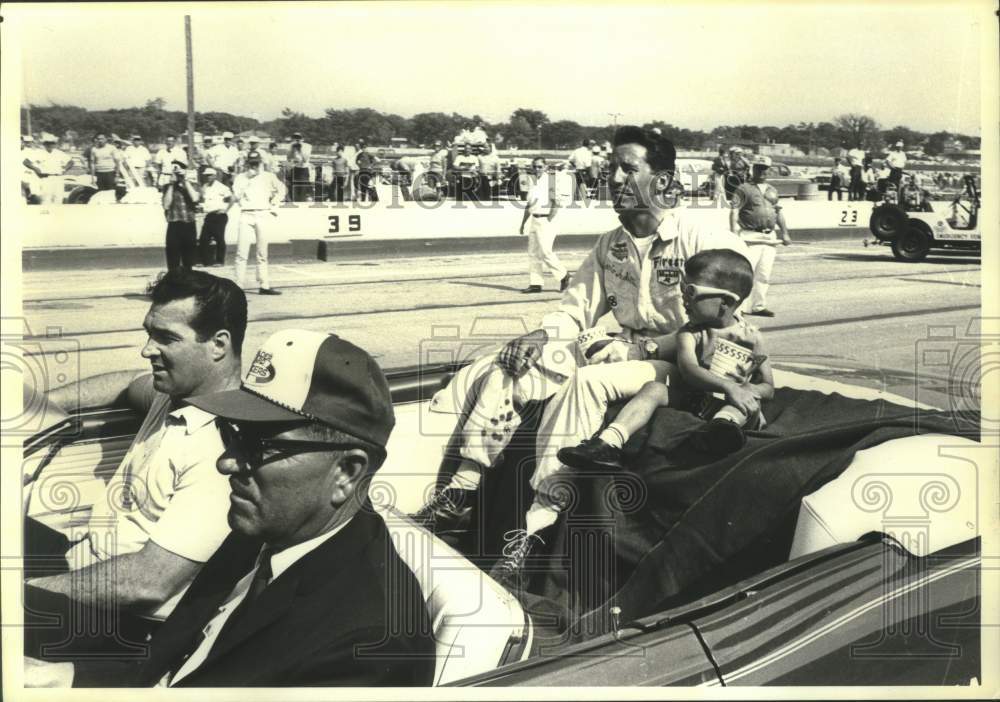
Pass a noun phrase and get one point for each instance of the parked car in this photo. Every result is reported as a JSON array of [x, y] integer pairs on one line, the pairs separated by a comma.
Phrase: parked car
[[784, 181], [853, 607]]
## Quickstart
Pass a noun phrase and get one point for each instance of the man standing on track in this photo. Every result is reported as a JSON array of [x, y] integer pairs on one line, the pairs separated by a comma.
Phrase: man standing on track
[[543, 203], [217, 201], [856, 159], [257, 192], [755, 213], [896, 160], [179, 199]]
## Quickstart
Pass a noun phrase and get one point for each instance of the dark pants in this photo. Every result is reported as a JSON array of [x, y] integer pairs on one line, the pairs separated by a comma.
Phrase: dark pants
[[857, 191], [182, 245], [213, 231], [57, 628], [365, 186], [106, 180], [835, 187], [337, 187], [895, 176], [302, 187]]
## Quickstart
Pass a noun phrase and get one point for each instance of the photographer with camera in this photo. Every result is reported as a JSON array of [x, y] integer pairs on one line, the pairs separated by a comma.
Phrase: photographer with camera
[[180, 196]]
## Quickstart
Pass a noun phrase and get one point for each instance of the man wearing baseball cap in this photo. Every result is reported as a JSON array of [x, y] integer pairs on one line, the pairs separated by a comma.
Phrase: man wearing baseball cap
[[222, 157], [308, 589], [755, 216], [49, 164], [895, 159], [257, 192]]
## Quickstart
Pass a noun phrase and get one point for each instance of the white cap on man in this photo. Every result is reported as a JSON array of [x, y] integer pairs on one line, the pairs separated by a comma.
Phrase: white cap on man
[[227, 135], [49, 138], [764, 161], [899, 145]]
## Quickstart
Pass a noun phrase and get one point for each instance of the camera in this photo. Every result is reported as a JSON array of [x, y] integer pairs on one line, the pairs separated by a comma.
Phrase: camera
[[41, 362]]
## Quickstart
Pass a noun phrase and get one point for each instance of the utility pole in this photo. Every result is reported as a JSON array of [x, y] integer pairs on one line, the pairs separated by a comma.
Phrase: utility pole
[[27, 117], [190, 86], [615, 116]]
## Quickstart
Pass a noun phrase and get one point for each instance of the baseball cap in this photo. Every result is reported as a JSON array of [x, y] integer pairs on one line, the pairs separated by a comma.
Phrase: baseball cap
[[761, 161], [298, 375], [899, 144], [136, 136], [735, 150], [252, 139], [209, 171], [48, 138], [296, 135], [253, 156], [227, 135]]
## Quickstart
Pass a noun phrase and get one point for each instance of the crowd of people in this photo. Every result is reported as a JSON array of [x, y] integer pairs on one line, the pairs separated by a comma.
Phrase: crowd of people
[[237, 495]]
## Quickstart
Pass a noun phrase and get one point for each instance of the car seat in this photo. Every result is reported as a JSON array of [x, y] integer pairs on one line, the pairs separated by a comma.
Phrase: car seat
[[477, 624], [920, 490]]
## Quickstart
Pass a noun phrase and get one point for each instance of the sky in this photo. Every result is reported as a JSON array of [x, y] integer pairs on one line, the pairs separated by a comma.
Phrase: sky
[[691, 65]]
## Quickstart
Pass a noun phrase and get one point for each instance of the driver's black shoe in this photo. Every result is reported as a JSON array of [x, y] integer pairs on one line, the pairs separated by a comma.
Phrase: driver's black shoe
[[449, 510], [564, 283], [762, 312], [719, 437], [532, 289], [509, 570], [589, 453]]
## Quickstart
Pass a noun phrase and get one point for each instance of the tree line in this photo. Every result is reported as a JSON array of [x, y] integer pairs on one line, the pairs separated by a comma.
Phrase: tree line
[[525, 128]]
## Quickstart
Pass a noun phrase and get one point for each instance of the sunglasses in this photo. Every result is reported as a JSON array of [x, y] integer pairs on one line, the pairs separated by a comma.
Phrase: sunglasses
[[260, 450], [695, 292]]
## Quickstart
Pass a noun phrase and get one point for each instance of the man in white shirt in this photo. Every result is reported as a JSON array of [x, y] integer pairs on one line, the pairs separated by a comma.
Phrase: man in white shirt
[[855, 160], [466, 173], [300, 174], [136, 158], [580, 160], [49, 164], [216, 201], [222, 157], [309, 589], [165, 158], [634, 272], [30, 182], [257, 192], [895, 159], [542, 206], [163, 513]]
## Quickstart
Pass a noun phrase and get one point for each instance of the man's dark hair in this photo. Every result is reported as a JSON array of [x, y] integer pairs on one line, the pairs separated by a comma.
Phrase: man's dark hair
[[660, 152], [721, 268], [219, 302]]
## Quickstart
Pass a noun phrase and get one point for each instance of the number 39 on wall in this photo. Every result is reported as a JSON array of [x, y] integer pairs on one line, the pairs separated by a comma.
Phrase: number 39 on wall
[[849, 217], [353, 223]]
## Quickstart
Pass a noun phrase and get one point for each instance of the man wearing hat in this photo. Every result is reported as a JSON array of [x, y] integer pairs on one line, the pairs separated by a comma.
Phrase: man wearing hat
[[896, 160], [49, 164], [180, 196], [104, 158], [222, 157], [217, 198], [253, 144], [739, 168], [165, 159], [299, 154], [257, 192], [754, 216], [308, 590]]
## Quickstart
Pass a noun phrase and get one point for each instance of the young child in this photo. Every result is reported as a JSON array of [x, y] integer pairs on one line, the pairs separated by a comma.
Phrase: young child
[[720, 370]]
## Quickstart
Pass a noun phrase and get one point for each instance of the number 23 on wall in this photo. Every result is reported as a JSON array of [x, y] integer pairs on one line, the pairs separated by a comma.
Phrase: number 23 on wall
[[849, 217], [353, 223]]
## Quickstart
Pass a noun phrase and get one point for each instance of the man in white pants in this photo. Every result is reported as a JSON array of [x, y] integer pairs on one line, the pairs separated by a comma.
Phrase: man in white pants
[[49, 164], [543, 203], [257, 192], [754, 216]]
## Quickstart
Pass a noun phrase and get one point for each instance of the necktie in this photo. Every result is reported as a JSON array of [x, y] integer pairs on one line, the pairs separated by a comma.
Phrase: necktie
[[260, 579]]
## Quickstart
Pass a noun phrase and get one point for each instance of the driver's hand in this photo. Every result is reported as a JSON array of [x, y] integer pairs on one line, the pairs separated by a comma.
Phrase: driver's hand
[[522, 353], [740, 397], [617, 350]]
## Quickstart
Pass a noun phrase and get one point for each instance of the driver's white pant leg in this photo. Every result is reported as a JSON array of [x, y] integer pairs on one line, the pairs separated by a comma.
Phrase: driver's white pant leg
[[762, 258], [577, 410]]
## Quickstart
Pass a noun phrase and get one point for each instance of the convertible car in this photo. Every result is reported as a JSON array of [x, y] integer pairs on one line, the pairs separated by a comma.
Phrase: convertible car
[[869, 573]]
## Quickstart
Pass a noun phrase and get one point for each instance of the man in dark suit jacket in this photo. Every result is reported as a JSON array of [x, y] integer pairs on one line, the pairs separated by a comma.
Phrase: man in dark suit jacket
[[308, 590]]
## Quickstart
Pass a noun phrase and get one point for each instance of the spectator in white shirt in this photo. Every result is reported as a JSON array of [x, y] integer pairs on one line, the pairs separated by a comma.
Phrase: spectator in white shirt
[[137, 160], [49, 164], [217, 198], [257, 192], [165, 158], [222, 157], [300, 184], [896, 160], [855, 159], [580, 160]]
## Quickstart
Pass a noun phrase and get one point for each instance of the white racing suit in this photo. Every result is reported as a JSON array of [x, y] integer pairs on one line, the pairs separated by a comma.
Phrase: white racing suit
[[645, 298]]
